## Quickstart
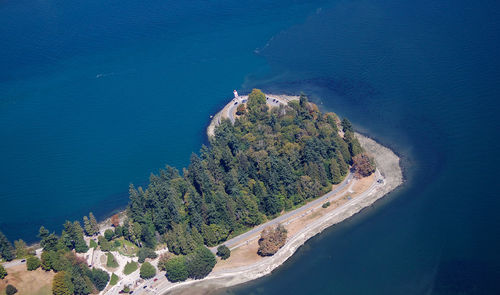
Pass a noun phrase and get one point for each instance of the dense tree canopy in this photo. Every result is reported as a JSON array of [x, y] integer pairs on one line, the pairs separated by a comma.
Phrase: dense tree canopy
[[268, 161]]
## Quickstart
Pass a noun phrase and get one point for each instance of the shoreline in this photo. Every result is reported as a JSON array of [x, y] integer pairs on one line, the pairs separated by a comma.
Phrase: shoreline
[[387, 163]]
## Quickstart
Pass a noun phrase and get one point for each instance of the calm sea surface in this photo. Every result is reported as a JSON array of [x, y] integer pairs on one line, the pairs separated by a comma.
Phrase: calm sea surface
[[97, 94]]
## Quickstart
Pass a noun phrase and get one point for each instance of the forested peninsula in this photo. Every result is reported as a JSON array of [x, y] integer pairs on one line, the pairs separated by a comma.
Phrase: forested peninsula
[[271, 160]]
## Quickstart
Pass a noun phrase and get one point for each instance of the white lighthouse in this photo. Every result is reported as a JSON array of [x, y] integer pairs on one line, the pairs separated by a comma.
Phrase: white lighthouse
[[235, 94]]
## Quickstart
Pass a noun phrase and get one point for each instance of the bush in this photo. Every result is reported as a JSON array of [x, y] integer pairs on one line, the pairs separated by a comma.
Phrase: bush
[[3, 272], [147, 270], [100, 278], [200, 263], [144, 253], [113, 280], [223, 252], [32, 263], [176, 269], [325, 205], [109, 234], [130, 267], [111, 262], [10, 290]]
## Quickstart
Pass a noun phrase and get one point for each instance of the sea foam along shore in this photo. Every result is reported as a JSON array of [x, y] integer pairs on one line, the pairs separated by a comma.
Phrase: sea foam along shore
[[387, 163]]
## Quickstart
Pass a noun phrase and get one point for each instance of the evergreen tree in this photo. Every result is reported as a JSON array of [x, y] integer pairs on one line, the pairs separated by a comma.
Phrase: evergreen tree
[[61, 284], [99, 278], [21, 248], [43, 233], [93, 224], [49, 243], [336, 176], [6, 249], [87, 226]]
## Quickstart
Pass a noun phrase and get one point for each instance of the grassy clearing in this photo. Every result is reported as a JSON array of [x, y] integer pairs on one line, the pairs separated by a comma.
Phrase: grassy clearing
[[130, 267], [125, 247], [113, 280], [111, 262], [93, 244]]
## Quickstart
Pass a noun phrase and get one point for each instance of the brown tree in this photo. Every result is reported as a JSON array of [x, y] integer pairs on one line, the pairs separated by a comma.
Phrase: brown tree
[[115, 220], [271, 240], [362, 165]]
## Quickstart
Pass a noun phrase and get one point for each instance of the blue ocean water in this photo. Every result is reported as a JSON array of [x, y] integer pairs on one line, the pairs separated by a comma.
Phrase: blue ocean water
[[95, 95]]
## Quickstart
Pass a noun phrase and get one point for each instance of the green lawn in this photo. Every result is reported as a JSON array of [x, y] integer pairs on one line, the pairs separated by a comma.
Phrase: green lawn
[[93, 244], [124, 247], [130, 267], [114, 280], [111, 262]]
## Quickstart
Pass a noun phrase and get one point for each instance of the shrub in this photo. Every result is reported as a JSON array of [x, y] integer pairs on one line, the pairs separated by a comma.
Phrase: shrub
[[325, 205], [111, 262], [3, 272], [223, 252], [130, 267], [113, 280], [32, 263], [144, 253], [200, 263], [176, 269], [147, 270], [10, 290]]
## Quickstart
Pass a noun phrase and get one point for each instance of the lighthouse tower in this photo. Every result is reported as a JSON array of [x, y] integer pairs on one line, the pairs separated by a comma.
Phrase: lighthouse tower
[[236, 95]]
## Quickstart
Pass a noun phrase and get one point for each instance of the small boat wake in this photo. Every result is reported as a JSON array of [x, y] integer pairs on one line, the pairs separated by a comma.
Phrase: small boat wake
[[104, 75]]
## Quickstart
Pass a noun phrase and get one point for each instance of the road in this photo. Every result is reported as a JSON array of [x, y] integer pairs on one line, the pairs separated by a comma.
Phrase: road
[[234, 242], [14, 263], [165, 286], [271, 101]]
